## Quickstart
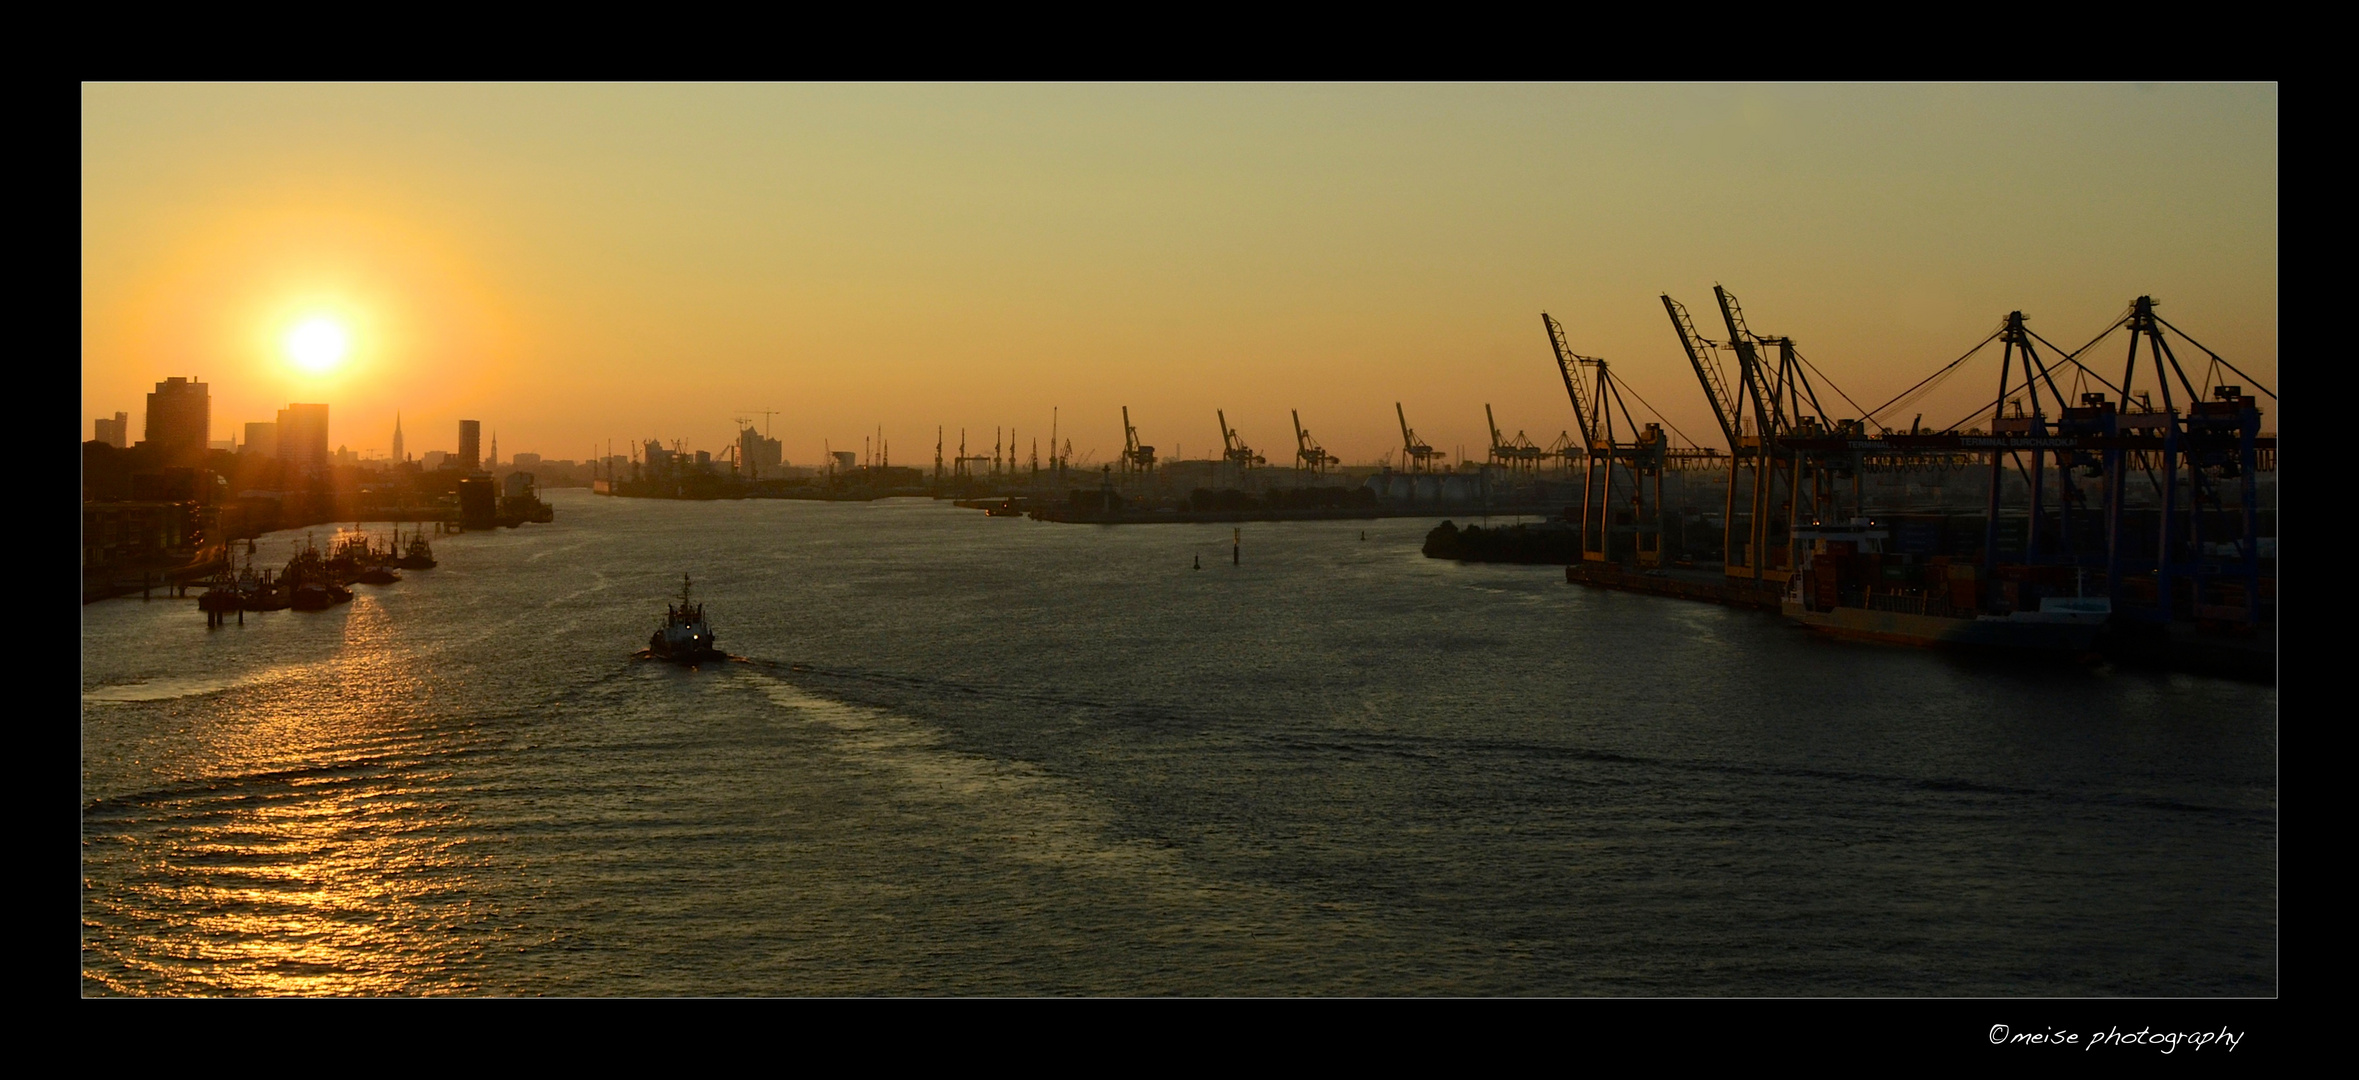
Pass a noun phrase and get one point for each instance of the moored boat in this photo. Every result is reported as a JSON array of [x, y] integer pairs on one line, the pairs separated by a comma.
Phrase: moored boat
[[418, 556]]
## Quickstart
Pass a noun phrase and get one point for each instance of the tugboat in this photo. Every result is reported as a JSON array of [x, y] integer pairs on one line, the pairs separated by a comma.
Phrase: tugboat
[[419, 556], [685, 637]]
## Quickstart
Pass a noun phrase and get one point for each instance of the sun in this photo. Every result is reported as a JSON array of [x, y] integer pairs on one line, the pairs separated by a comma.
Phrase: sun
[[317, 344]]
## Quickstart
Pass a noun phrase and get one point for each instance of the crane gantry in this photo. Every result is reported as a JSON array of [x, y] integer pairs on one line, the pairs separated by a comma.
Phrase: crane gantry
[[1595, 396]]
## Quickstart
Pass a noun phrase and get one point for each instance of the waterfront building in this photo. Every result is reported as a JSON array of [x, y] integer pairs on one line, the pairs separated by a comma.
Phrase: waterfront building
[[179, 422], [115, 432], [762, 456], [262, 439], [471, 445], [303, 439], [525, 462]]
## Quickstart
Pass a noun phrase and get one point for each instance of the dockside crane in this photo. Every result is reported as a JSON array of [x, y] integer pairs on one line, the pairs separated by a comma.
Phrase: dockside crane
[[1233, 449], [1135, 456], [1415, 454], [1777, 395], [1759, 549], [1744, 449], [1308, 454], [1595, 397]]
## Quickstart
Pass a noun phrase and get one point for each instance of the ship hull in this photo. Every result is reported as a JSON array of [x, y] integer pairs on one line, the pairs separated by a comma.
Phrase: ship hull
[[683, 645], [2033, 634]]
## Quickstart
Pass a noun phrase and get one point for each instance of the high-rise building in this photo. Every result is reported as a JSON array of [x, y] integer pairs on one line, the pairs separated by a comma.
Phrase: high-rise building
[[471, 445], [397, 458], [262, 439], [303, 439], [762, 456], [115, 432], [179, 422]]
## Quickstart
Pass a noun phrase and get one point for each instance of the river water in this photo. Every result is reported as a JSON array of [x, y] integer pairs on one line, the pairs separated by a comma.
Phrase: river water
[[991, 756]]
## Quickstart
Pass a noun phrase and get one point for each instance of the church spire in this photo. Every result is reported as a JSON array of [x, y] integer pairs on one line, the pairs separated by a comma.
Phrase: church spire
[[397, 457]]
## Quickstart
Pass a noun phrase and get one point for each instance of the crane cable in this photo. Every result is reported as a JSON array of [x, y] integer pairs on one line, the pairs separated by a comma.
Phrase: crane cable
[[2217, 359], [1830, 385], [1659, 416], [1945, 370]]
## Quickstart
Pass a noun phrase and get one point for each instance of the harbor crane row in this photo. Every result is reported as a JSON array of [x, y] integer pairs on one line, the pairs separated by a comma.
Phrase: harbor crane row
[[1519, 453]]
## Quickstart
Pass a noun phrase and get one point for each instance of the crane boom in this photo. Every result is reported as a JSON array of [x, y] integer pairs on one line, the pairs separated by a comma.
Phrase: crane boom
[[1749, 365], [1584, 412], [1700, 356]]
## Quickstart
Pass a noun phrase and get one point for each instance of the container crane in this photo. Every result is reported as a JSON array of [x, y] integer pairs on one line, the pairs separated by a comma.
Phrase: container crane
[[1308, 454], [1134, 455], [1758, 550], [1418, 456], [1233, 449], [1596, 396]]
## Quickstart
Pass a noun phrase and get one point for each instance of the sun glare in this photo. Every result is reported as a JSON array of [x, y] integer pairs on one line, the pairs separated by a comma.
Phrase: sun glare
[[317, 344]]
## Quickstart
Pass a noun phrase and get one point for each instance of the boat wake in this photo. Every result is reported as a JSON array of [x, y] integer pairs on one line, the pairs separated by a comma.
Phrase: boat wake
[[723, 658]]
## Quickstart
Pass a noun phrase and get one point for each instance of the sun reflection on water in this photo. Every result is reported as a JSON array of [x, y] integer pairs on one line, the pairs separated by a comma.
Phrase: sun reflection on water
[[328, 862]]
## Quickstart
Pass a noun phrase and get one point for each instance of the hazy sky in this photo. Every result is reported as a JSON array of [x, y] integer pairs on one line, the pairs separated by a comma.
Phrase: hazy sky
[[571, 264]]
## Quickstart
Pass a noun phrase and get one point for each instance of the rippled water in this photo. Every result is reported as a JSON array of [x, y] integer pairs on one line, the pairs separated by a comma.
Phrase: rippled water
[[967, 755]]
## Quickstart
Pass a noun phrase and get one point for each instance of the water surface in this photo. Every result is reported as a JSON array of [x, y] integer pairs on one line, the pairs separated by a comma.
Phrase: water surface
[[970, 755]]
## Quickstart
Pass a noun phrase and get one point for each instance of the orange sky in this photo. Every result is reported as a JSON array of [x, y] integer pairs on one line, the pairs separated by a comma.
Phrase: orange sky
[[571, 264]]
